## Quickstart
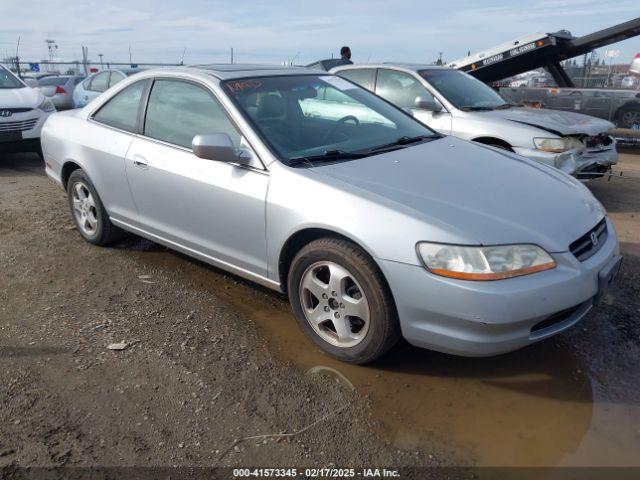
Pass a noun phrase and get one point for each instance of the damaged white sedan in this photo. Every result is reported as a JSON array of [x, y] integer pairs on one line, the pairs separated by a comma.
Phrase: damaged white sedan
[[455, 103]]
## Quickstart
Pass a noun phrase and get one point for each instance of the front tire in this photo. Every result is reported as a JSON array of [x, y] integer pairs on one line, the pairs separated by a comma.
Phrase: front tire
[[341, 301], [89, 214]]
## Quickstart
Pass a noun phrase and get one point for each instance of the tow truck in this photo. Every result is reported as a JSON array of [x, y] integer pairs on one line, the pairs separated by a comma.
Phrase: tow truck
[[547, 51]]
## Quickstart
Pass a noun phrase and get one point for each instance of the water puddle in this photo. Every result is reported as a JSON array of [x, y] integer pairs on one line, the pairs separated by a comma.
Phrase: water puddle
[[534, 407]]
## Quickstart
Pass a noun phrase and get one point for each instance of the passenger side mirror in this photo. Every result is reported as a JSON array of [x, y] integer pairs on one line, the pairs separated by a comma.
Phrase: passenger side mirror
[[424, 103], [217, 146]]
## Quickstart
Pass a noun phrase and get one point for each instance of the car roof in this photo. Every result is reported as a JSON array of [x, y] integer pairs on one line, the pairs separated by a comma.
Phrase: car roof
[[406, 66], [226, 71]]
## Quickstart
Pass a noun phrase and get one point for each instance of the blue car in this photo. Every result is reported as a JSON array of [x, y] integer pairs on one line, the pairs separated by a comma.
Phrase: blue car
[[99, 82]]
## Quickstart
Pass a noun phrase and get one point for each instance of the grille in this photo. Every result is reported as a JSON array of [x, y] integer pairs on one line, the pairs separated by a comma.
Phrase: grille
[[559, 317], [17, 110], [18, 126], [555, 319], [598, 141], [585, 247]]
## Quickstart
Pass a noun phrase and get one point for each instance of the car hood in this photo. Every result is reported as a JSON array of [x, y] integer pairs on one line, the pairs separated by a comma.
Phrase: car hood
[[554, 121], [19, 98], [478, 194]]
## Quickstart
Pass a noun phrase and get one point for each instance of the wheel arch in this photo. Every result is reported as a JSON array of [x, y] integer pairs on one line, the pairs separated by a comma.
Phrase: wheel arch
[[303, 237], [488, 140], [67, 169], [626, 106]]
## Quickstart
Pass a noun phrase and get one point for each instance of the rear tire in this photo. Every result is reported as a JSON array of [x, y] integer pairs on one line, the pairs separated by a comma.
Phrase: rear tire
[[88, 212], [357, 321], [628, 116]]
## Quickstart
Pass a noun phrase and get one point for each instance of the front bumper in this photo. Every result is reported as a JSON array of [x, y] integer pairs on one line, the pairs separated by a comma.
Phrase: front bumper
[[574, 162], [488, 318], [23, 128]]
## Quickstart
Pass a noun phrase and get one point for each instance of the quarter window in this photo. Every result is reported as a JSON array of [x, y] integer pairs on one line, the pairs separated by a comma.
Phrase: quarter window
[[399, 88], [122, 110], [115, 78], [100, 82], [178, 111]]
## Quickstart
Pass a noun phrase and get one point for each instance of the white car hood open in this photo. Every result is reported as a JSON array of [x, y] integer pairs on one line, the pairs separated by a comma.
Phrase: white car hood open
[[554, 121], [19, 98]]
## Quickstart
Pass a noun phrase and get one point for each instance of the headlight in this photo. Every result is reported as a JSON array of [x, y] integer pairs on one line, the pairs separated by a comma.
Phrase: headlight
[[484, 263], [47, 106], [558, 145]]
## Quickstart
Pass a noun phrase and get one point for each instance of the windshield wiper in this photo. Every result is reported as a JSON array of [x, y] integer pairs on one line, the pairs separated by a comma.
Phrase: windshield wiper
[[471, 108], [327, 155], [504, 106], [402, 141]]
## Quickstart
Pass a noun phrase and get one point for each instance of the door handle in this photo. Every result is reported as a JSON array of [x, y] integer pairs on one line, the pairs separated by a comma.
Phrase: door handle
[[140, 162]]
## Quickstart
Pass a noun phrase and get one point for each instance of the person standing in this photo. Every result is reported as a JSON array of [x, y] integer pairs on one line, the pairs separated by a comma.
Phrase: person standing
[[345, 56]]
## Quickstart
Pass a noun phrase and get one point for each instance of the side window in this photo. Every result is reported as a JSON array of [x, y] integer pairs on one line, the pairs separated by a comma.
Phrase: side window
[[361, 76], [399, 88], [122, 110], [115, 78], [100, 82], [177, 111]]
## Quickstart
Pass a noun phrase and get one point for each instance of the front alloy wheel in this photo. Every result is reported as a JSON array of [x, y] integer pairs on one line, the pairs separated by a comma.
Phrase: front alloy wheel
[[341, 300], [334, 304]]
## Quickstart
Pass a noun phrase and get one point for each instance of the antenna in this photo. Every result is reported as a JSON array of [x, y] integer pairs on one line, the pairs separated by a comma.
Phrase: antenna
[[182, 58]]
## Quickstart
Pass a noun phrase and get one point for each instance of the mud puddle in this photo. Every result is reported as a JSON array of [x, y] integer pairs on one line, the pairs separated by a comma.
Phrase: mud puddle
[[535, 407]]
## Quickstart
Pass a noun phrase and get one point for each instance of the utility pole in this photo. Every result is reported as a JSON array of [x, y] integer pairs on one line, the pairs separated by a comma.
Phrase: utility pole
[[130, 61], [18, 58], [231, 55], [101, 64], [182, 58], [53, 48], [85, 54]]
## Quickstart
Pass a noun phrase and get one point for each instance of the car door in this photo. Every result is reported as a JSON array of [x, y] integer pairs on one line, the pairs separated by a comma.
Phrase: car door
[[109, 135], [213, 208], [401, 89]]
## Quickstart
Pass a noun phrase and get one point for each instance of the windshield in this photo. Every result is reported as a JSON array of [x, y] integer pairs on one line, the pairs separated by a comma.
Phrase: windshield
[[306, 116], [8, 79], [462, 90]]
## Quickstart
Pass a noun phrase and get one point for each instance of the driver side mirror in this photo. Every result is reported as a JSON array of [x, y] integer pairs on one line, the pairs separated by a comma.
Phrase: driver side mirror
[[424, 103], [217, 146]]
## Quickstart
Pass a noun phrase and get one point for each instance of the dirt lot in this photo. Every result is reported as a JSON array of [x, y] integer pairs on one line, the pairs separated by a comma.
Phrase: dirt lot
[[212, 358]]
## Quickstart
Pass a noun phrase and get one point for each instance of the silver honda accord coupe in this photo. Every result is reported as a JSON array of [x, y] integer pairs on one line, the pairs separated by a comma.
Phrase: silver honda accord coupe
[[375, 226]]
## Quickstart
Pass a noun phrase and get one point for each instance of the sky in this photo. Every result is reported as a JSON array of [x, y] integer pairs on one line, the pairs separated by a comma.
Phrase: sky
[[293, 31]]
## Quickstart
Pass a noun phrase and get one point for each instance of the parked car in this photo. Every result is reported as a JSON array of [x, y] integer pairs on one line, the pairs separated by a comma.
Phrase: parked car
[[32, 79], [98, 83], [60, 90], [374, 229], [328, 64], [23, 111], [620, 106], [453, 102]]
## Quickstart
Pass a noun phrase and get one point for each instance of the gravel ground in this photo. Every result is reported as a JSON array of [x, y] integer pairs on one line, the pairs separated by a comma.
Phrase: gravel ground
[[205, 363], [195, 377]]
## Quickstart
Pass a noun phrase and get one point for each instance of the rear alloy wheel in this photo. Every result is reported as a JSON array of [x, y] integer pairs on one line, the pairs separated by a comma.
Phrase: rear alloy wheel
[[341, 301], [628, 117], [89, 215]]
